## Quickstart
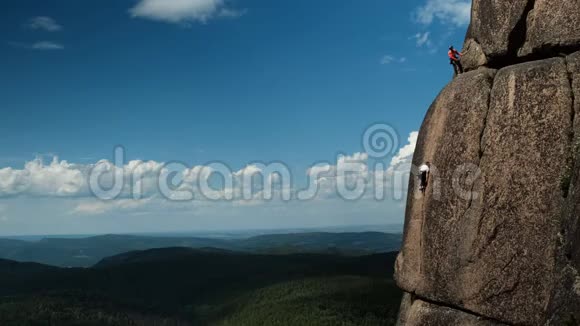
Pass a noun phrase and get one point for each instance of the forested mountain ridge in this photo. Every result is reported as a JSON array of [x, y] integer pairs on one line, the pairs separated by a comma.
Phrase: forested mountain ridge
[[85, 252], [184, 286]]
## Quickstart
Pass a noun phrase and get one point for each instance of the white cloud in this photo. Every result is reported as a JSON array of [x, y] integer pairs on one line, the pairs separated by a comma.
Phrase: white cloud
[[60, 178], [422, 39], [141, 180], [405, 155], [394, 177], [453, 12], [140, 192], [385, 60], [183, 11], [44, 23], [326, 178], [59, 189], [388, 59], [97, 207], [231, 13], [46, 46], [91, 208]]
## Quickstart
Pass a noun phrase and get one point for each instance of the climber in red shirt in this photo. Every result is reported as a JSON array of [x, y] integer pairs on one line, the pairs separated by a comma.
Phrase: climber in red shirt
[[455, 60]]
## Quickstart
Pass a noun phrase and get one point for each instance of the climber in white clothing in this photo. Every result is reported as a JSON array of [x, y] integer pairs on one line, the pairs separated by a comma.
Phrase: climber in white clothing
[[424, 171]]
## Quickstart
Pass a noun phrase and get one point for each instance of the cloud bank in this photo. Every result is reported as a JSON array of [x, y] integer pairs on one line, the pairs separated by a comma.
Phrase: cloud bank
[[139, 181]]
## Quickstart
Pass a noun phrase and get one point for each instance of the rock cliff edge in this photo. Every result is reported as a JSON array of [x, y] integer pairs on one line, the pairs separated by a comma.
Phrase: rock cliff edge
[[496, 238]]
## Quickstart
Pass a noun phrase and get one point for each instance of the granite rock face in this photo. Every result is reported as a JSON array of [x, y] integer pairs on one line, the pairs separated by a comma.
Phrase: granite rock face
[[502, 31], [552, 25], [496, 238], [421, 313], [495, 27], [460, 109]]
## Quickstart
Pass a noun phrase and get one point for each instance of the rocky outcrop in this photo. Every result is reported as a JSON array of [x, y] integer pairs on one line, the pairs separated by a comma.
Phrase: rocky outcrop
[[552, 26], [496, 238], [495, 29], [506, 31], [416, 312], [461, 109]]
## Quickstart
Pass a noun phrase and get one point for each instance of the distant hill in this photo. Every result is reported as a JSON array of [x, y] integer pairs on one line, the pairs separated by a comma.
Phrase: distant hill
[[85, 252], [9, 268], [350, 243], [184, 286]]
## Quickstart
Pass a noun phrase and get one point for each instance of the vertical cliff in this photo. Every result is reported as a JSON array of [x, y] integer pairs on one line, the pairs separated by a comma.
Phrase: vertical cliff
[[496, 240]]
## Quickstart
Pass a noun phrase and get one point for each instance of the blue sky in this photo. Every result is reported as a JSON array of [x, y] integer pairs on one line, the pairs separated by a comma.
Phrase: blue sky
[[198, 81]]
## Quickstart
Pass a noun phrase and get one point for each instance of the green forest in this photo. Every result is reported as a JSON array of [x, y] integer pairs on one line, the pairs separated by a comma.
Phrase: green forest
[[183, 286]]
